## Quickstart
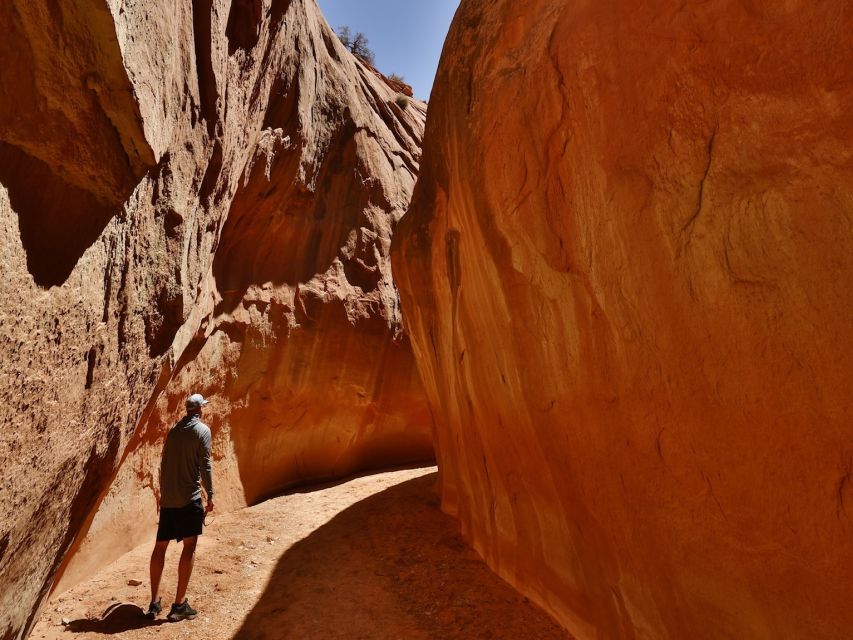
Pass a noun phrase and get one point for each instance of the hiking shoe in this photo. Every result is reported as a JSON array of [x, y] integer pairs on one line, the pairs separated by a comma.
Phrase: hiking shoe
[[154, 610], [182, 611]]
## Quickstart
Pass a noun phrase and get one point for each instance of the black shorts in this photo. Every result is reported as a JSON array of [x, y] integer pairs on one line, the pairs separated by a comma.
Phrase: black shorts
[[182, 522]]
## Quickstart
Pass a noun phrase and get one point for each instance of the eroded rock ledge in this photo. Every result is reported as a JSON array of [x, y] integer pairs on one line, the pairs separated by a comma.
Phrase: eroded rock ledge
[[194, 195], [626, 272]]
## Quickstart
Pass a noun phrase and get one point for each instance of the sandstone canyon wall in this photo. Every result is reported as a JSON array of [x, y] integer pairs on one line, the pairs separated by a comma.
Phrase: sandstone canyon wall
[[626, 271], [194, 196]]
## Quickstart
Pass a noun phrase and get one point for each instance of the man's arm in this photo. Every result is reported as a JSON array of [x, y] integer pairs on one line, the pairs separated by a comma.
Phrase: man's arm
[[158, 490], [207, 468]]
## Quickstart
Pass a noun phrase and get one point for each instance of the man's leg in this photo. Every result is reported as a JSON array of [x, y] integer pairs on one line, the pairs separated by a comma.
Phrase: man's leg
[[158, 560], [185, 568]]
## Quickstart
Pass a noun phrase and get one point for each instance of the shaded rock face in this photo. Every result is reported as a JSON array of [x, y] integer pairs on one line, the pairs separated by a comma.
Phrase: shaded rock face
[[194, 196], [625, 271]]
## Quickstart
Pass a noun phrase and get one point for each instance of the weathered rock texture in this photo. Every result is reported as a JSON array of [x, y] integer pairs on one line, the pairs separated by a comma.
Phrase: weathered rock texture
[[193, 196], [626, 271]]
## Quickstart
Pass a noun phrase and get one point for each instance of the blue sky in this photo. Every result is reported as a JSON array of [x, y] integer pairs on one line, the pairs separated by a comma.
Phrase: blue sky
[[405, 35]]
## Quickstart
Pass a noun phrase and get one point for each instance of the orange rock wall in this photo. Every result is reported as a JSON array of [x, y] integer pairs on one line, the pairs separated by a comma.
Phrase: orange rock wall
[[194, 196], [626, 274]]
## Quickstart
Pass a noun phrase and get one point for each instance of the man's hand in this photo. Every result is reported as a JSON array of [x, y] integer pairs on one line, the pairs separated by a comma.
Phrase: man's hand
[[209, 507]]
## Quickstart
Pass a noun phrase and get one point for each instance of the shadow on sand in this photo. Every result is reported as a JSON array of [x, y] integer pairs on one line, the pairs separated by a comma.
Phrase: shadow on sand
[[391, 566], [118, 618]]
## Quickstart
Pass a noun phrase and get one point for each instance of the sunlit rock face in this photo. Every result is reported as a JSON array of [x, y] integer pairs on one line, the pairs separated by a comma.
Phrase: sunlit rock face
[[626, 273], [194, 196]]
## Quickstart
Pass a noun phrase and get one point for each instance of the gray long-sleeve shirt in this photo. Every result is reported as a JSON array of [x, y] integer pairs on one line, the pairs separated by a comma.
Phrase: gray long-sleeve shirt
[[186, 463]]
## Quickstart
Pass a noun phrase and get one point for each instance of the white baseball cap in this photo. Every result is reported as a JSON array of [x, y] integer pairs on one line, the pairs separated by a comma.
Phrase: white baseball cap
[[195, 401]]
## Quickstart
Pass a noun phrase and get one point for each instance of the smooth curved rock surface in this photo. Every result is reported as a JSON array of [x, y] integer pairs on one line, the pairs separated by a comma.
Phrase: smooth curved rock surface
[[193, 196], [626, 274]]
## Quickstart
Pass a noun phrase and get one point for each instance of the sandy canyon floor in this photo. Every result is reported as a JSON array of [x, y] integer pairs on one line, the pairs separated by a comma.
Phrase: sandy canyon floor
[[371, 557]]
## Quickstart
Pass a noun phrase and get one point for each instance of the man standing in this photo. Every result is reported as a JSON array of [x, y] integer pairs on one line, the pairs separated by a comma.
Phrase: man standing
[[185, 467]]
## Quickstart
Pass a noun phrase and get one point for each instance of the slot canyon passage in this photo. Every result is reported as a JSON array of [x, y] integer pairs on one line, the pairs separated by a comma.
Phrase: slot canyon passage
[[624, 274]]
